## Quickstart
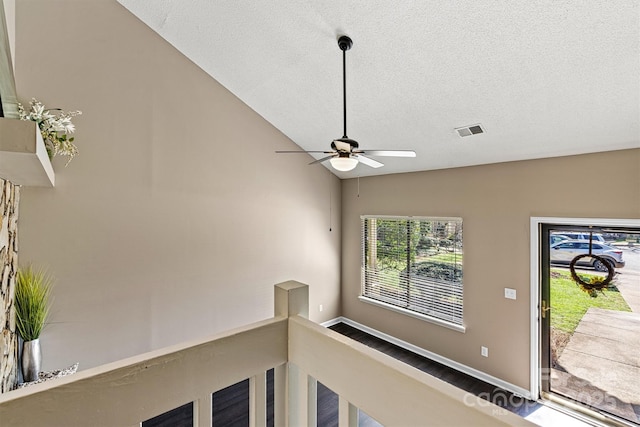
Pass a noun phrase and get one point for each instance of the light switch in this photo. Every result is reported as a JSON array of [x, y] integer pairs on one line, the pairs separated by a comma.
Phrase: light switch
[[509, 293]]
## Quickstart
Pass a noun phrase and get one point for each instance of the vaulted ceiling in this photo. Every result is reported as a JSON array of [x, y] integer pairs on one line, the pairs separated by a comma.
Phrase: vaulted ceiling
[[543, 78]]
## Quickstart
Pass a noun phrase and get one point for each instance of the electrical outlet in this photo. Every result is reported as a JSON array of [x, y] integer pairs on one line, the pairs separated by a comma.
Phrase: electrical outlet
[[320, 308], [484, 351], [509, 293]]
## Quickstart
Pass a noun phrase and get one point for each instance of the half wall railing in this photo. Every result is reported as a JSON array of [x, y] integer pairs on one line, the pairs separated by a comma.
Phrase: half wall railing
[[126, 392]]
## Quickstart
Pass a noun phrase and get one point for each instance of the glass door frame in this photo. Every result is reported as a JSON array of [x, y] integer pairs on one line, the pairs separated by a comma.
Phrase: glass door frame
[[540, 227]]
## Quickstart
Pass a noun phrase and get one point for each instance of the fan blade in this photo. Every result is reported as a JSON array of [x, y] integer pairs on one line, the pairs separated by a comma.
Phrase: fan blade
[[325, 152], [323, 159], [367, 161], [389, 153]]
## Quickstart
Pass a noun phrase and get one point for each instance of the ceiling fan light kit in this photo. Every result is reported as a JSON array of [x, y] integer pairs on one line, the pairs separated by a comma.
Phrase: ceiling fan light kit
[[345, 154], [343, 164]]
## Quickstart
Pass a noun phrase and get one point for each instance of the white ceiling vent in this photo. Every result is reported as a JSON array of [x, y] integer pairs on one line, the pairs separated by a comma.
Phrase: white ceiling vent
[[470, 130]]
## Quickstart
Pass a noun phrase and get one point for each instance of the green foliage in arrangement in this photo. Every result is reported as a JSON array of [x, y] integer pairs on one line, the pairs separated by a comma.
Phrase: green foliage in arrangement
[[33, 289]]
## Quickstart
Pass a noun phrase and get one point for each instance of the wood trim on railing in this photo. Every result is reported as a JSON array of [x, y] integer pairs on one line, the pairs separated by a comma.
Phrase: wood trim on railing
[[136, 389], [388, 390], [130, 391]]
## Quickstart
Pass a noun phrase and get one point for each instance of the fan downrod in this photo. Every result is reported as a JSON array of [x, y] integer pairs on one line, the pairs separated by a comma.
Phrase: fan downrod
[[345, 43], [346, 148]]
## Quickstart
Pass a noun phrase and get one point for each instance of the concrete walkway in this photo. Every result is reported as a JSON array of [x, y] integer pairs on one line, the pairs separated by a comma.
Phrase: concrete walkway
[[600, 365], [628, 283]]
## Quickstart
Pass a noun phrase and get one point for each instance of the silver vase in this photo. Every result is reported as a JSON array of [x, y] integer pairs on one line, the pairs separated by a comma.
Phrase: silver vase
[[31, 360]]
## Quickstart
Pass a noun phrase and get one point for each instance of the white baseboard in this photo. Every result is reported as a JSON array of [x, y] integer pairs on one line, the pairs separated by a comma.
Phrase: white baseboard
[[518, 391], [333, 322]]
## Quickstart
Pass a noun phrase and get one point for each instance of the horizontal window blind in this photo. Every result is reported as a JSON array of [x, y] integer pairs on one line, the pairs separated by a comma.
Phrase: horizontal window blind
[[415, 264]]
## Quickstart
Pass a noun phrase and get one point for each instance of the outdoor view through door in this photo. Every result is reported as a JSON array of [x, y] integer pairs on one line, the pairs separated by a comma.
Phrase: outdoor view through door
[[590, 337]]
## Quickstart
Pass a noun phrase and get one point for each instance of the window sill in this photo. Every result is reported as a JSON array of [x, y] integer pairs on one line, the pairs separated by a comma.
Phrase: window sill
[[459, 328]]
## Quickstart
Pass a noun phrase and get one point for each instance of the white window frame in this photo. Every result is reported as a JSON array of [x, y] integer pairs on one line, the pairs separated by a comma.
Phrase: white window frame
[[367, 298]]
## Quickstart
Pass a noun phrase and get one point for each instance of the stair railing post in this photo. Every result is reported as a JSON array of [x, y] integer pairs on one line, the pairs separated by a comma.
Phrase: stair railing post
[[291, 385]]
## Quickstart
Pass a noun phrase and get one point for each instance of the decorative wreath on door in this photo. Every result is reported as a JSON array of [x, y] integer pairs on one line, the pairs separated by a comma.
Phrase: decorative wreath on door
[[595, 284]]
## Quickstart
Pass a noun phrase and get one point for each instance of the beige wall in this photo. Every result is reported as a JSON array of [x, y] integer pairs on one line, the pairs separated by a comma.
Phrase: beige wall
[[496, 203], [156, 236], [177, 218]]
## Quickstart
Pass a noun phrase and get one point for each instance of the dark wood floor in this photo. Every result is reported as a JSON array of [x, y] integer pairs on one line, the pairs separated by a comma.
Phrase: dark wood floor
[[231, 405], [499, 396], [327, 414], [230, 408]]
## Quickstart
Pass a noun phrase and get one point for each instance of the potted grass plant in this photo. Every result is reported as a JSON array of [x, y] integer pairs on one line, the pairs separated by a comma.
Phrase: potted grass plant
[[32, 303]]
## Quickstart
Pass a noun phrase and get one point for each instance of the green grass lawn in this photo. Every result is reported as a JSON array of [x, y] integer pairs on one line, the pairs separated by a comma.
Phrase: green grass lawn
[[570, 303], [446, 257], [390, 278]]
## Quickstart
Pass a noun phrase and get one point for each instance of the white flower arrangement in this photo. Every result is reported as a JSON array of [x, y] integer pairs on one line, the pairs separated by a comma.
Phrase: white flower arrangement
[[55, 128]]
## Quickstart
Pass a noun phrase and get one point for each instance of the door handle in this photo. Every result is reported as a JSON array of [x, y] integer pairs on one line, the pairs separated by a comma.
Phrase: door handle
[[544, 308]]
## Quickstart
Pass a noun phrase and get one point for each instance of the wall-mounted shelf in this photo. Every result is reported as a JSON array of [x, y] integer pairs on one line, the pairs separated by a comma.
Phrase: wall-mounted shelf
[[23, 157]]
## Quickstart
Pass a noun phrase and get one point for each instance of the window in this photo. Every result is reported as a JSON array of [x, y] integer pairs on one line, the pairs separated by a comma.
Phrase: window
[[414, 265]]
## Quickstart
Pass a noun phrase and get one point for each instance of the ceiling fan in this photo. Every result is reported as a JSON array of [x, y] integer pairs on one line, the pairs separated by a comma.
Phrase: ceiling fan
[[345, 154]]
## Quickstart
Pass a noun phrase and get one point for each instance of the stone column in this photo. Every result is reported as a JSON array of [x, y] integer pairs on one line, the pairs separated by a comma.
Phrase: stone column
[[9, 199]]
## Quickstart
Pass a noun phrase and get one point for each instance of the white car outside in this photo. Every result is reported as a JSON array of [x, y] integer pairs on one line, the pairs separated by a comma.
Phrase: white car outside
[[596, 237], [565, 251]]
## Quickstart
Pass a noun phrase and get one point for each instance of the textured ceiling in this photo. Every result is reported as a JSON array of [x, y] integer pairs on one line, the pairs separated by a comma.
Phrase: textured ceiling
[[544, 78]]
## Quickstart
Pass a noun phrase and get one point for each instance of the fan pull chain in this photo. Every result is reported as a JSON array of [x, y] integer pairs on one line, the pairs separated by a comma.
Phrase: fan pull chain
[[330, 208], [358, 186]]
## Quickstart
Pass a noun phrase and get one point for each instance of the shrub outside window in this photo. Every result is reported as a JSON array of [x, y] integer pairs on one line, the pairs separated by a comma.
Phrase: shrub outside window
[[414, 265]]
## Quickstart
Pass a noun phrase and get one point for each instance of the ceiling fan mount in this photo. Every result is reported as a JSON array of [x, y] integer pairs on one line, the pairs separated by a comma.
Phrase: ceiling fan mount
[[345, 43], [345, 153]]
